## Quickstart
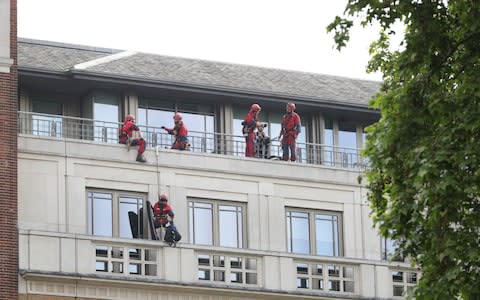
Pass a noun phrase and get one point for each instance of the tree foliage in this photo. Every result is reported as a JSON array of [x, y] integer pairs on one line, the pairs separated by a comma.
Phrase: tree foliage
[[424, 178]]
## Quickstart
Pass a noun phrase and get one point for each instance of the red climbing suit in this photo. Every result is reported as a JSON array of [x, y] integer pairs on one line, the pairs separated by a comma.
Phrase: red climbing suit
[[161, 211], [127, 132], [290, 130], [249, 125]]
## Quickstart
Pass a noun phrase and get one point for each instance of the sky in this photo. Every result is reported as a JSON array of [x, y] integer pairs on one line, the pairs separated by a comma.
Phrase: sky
[[281, 34]]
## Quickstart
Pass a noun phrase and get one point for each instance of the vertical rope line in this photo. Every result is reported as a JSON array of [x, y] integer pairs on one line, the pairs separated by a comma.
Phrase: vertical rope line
[[158, 169], [67, 227]]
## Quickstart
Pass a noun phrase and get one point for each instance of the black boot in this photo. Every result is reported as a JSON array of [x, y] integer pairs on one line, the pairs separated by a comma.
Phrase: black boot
[[140, 158]]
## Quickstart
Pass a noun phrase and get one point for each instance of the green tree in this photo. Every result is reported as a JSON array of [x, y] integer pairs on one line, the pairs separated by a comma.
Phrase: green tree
[[424, 152]]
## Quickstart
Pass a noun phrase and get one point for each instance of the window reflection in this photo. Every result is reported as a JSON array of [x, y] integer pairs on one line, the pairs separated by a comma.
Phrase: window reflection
[[201, 227], [101, 216], [323, 227], [347, 138], [389, 248], [129, 204], [216, 223], [326, 235], [298, 233], [105, 114], [115, 214], [199, 121], [230, 226]]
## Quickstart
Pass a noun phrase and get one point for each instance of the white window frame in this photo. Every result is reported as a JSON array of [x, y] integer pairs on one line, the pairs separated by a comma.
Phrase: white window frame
[[116, 195], [338, 247], [216, 222]]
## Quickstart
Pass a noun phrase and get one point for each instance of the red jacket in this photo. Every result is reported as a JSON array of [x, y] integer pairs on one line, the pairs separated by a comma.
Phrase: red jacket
[[162, 212], [291, 127], [180, 131], [127, 129], [250, 121]]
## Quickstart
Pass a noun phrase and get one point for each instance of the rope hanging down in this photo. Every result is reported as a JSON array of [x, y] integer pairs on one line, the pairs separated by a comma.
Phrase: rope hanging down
[[158, 171]]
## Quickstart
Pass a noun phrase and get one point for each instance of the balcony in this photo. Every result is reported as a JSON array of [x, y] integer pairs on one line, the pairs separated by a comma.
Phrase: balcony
[[89, 265], [60, 127]]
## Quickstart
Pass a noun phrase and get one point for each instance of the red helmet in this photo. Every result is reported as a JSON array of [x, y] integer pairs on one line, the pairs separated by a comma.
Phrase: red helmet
[[255, 107], [177, 117], [130, 118], [163, 197], [291, 106]]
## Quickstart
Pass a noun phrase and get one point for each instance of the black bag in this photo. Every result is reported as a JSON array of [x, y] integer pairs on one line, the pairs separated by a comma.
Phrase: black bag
[[172, 236]]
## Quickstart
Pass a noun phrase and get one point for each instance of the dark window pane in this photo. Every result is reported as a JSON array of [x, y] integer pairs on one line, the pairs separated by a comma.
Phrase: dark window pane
[[203, 260], [333, 271], [412, 277], [334, 285], [236, 262], [218, 275], [397, 276], [236, 277], [317, 284], [348, 286], [397, 290], [302, 283], [203, 274], [302, 268], [251, 278]]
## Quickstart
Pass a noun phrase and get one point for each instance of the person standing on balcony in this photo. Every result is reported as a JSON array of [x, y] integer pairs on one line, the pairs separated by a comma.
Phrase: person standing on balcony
[[251, 122], [180, 132], [130, 135], [291, 127]]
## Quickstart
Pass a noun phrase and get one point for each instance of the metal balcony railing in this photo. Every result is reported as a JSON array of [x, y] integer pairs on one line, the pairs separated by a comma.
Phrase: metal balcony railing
[[206, 142]]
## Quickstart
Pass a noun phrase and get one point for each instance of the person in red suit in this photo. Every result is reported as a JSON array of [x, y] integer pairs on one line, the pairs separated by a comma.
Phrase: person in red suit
[[162, 211], [126, 137], [251, 122], [291, 127], [180, 132]]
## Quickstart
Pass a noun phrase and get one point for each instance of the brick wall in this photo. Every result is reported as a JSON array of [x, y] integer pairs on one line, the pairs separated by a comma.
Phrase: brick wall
[[8, 170]]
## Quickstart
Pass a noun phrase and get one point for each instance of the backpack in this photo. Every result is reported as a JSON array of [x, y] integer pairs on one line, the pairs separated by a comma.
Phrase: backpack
[[172, 236]]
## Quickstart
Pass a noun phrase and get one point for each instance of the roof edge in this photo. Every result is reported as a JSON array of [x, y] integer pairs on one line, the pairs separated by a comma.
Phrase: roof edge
[[67, 45]]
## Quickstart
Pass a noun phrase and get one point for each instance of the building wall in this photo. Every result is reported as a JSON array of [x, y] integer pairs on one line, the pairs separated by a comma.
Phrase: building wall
[[8, 150], [54, 241], [57, 174]]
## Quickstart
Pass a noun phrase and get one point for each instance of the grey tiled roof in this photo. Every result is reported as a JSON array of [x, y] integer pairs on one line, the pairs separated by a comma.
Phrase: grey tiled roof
[[55, 56], [319, 87]]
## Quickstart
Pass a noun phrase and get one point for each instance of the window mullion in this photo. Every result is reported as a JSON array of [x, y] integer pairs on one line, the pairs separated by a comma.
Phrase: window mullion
[[115, 214], [313, 233], [216, 225]]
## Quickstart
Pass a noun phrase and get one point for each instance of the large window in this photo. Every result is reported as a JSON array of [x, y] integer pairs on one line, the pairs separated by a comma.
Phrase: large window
[[347, 141], [115, 214], [314, 232], [105, 114], [389, 248], [216, 223], [199, 119]]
